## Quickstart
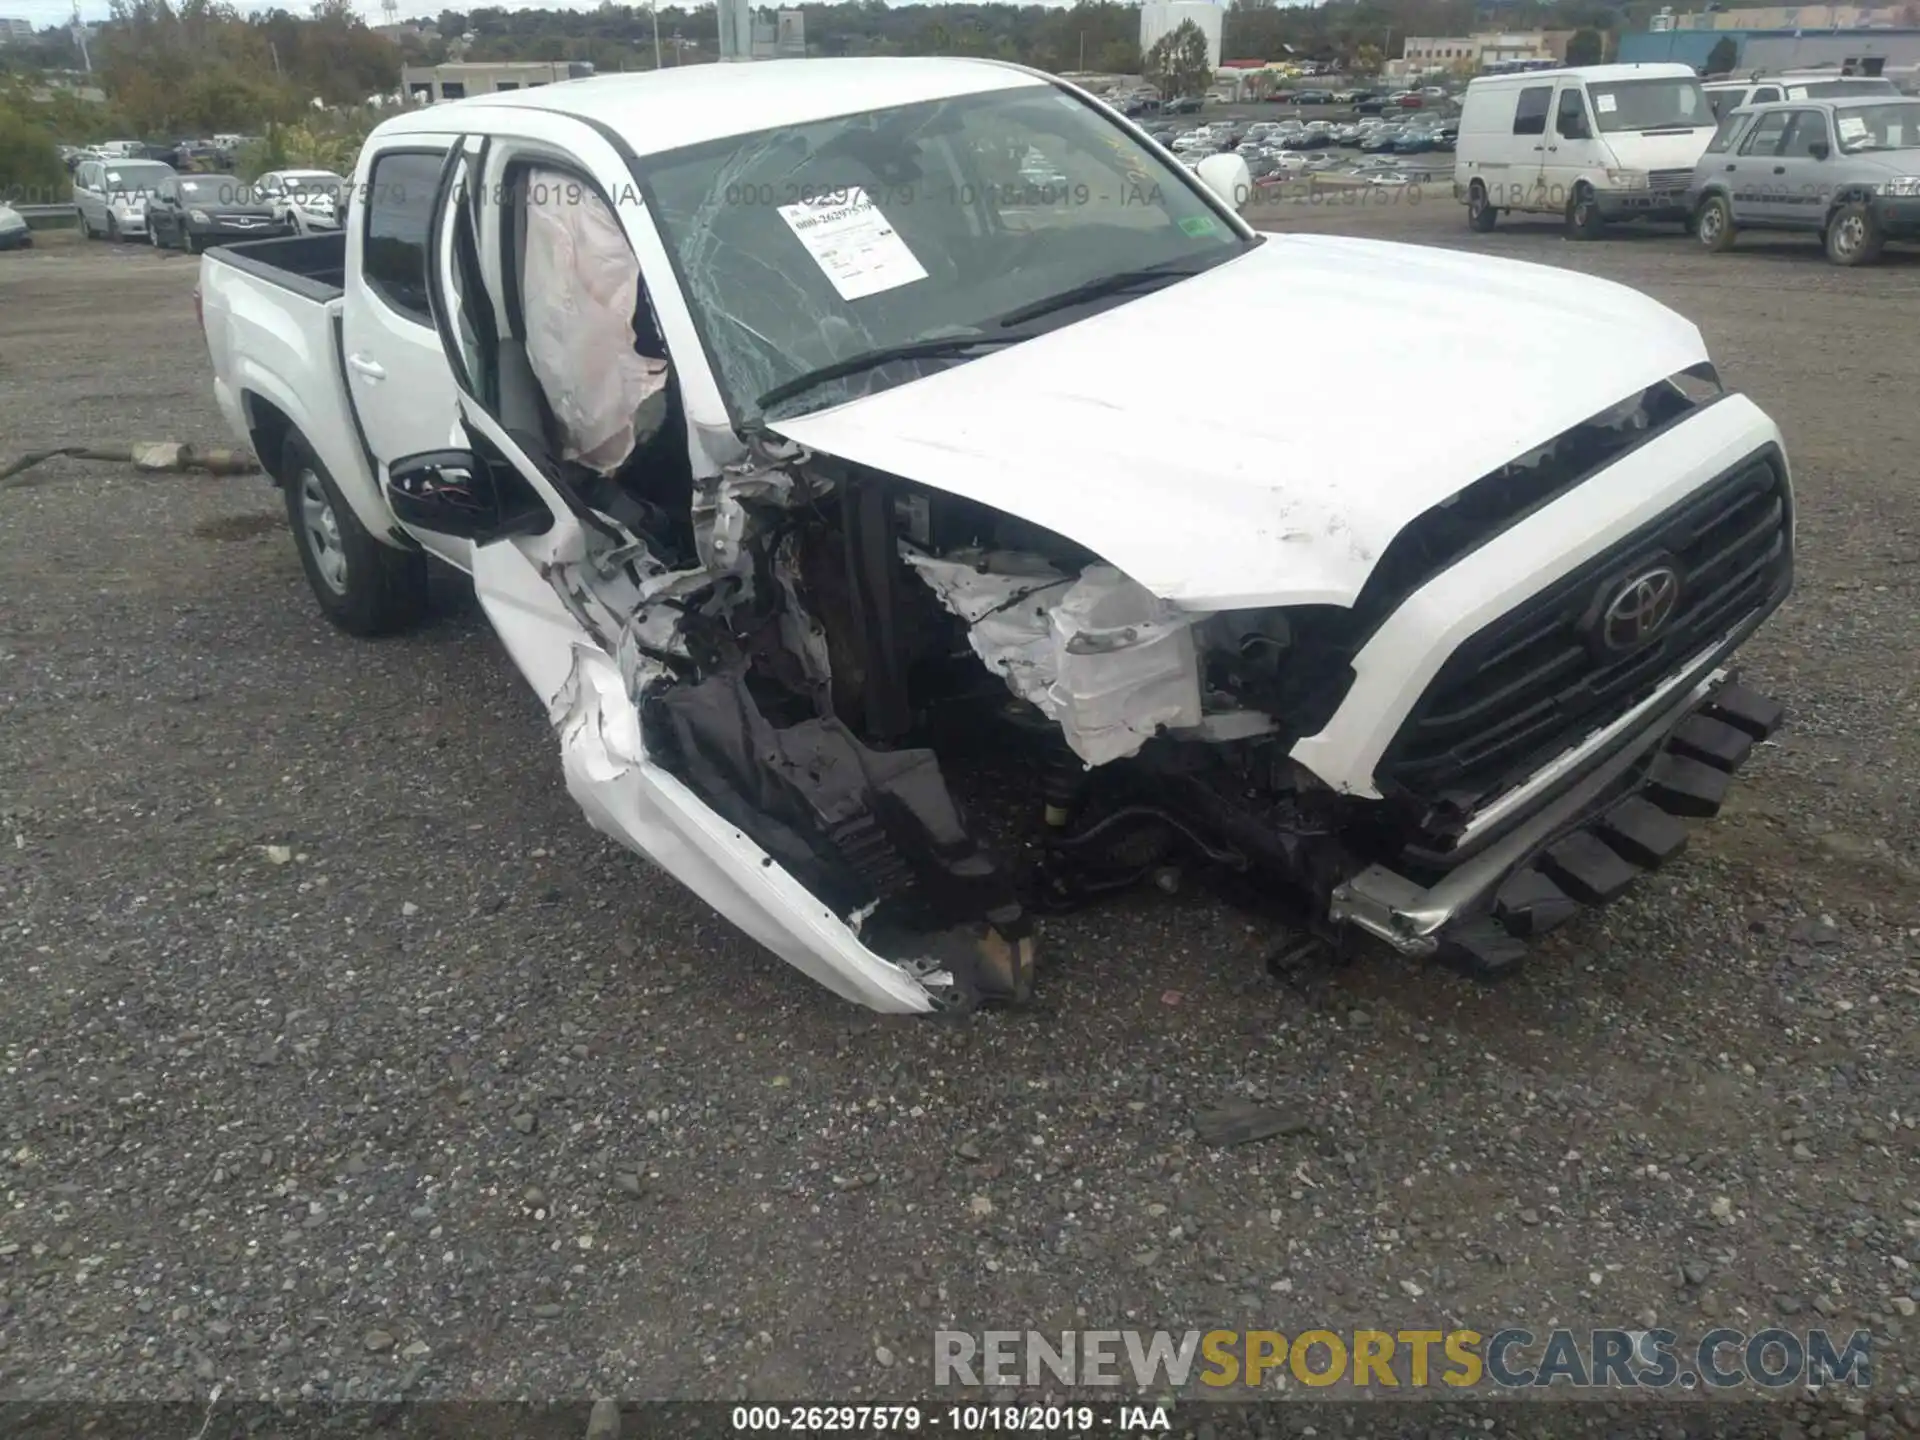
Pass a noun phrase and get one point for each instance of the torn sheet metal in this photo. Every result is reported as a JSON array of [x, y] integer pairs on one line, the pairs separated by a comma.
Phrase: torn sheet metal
[[582, 287], [1099, 655]]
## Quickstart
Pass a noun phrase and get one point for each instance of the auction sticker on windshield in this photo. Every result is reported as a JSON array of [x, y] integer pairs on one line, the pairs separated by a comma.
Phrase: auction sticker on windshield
[[1607, 103], [854, 245]]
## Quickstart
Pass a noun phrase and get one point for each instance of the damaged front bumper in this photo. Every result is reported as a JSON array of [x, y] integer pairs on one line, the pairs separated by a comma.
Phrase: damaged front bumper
[[1622, 817]]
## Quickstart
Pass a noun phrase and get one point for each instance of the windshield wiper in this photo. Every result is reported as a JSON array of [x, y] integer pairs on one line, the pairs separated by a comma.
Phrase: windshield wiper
[[1119, 283], [937, 349]]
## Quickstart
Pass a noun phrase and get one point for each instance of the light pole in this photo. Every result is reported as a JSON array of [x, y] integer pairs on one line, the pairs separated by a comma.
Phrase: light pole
[[655, 7]]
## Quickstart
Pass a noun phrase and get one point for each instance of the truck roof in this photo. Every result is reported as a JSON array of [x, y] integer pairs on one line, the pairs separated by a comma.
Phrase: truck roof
[[1593, 74], [661, 110]]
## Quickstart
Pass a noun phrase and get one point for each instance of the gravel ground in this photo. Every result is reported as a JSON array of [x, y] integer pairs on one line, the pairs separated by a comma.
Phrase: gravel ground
[[339, 1058]]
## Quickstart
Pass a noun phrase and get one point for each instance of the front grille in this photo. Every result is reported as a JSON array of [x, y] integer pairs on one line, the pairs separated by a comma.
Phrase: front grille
[[1669, 179], [1536, 682]]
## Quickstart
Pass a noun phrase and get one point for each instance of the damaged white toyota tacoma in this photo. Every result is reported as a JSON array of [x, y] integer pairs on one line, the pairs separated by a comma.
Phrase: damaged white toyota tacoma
[[874, 468]]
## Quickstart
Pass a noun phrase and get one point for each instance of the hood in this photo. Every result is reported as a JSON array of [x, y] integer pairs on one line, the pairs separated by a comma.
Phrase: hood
[[1673, 150], [1887, 163], [1169, 437]]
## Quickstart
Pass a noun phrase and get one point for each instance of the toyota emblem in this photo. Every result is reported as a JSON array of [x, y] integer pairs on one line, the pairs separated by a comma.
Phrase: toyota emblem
[[1639, 609]]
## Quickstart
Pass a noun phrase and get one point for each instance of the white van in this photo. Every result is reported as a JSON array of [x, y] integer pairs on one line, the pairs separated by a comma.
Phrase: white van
[[1594, 144], [1727, 96]]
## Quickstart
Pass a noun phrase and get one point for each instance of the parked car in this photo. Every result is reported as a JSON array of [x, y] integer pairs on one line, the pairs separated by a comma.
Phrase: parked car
[[112, 195], [1314, 97], [1593, 145], [1727, 96], [305, 199], [770, 637], [1184, 105], [14, 234], [1372, 105], [1412, 100], [1846, 170], [191, 212], [1385, 138]]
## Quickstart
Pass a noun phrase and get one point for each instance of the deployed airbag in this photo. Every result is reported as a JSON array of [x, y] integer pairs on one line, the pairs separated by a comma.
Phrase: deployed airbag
[[582, 286]]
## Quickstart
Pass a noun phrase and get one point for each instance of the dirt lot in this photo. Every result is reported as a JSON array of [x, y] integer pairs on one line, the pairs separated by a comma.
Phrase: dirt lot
[[459, 1100]]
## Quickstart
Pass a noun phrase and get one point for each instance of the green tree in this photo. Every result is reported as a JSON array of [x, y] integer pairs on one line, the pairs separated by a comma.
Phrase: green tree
[[1720, 59], [30, 168], [1177, 65], [1586, 47]]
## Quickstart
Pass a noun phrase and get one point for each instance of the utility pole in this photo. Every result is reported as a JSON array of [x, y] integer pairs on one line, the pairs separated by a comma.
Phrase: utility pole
[[274, 50], [1083, 52], [80, 39], [655, 7]]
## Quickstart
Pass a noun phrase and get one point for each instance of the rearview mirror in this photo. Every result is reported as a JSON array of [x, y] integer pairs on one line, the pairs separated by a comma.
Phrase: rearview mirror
[[1227, 176], [453, 492], [1818, 150]]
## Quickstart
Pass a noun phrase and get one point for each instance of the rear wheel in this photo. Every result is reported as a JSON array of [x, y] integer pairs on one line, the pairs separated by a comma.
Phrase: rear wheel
[[113, 229], [1713, 223], [187, 241], [1481, 213], [1584, 221], [363, 586], [1854, 236]]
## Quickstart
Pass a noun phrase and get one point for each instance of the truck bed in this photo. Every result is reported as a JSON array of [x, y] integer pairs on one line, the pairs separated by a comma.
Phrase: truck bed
[[313, 266]]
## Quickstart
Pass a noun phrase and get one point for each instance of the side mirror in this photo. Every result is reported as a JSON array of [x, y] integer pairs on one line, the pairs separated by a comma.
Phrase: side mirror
[[1226, 174], [452, 492], [1819, 150]]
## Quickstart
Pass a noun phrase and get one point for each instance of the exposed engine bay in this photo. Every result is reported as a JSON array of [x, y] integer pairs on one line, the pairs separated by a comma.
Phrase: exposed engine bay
[[944, 721]]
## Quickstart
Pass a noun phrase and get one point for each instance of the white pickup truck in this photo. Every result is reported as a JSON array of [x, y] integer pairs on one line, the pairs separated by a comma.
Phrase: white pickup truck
[[959, 487]]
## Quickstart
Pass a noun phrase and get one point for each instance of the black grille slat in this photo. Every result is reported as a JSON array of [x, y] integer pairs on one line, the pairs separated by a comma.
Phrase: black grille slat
[[1529, 686]]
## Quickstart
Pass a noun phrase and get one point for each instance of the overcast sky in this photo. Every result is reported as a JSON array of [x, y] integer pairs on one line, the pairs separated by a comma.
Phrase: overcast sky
[[53, 12]]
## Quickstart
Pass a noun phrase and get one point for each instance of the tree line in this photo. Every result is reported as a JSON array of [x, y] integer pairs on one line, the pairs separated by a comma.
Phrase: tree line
[[174, 69]]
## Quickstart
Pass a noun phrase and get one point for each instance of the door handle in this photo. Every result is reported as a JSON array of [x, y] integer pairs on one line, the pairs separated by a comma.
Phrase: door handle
[[1538, 148], [365, 368], [1730, 167], [1779, 169]]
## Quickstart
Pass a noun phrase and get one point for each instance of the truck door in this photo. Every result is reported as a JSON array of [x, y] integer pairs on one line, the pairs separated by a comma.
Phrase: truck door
[[1572, 148], [396, 374], [1530, 147]]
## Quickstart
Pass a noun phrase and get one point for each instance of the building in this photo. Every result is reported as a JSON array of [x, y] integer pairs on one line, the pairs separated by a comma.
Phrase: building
[[1163, 17], [12, 30], [1864, 52], [458, 79], [1421, 54], [1781, 17]]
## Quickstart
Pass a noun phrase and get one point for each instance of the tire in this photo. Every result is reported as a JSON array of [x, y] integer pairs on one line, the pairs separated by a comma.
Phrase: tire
[[187, 243], [365, 587], [1713, 224], [113, 230], [1853, 235], [1584, 221], [1482, 216], [153, 236]]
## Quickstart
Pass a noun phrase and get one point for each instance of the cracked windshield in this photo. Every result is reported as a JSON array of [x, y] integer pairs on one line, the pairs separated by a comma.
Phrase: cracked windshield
[[814, 253]]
